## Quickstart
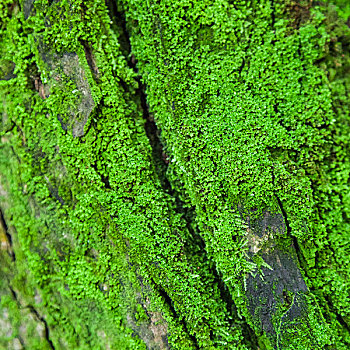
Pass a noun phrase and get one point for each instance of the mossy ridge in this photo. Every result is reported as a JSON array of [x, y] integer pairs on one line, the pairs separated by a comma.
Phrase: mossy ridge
[[21, 322], [53, 262], [97, 187], [133, 220], [36, 168], [48, 318], [330, 186], [248, 117], [60, 308]]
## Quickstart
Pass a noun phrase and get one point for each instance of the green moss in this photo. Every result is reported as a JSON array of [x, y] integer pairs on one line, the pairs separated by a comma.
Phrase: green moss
[[82, 192], [251, 117], [253, 111]]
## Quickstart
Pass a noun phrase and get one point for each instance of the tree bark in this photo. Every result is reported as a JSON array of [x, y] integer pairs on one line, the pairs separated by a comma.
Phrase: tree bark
[[174, 175]]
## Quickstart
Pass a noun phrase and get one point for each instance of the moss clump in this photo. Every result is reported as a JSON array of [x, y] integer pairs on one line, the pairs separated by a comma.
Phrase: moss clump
[[229, 235]]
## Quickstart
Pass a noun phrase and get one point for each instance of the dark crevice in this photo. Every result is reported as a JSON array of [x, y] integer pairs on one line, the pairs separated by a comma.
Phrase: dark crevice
[[303, 265], [284, 214], [14, 294], [54, 192], [273, 15], [94, 116], [240, 69], [225, 294], [340, 319], [4, 225], [6, 131], [159, 156], [21, 341], [169, 302], [280, 205], [333, 309], [249, 335], [34, 312], [43, 321], [90, 59], [8, 236], [160, 159], [104, 178], [119, 21]]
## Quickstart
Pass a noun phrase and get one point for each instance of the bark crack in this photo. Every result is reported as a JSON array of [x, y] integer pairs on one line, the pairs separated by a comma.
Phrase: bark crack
[[13, 293], [34, 312], [169, 302], [161, 161], [4, 227]]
